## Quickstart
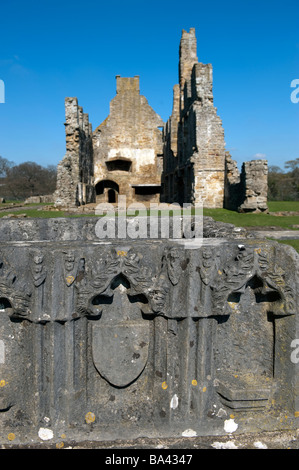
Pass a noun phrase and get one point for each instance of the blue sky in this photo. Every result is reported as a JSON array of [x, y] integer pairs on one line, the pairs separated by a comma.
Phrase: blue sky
[[53, 49]]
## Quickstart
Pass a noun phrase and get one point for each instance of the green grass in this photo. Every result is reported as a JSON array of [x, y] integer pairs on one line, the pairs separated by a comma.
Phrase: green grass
[[252, 220], [293, 243], [277, 206], [35, 213], [222, 215]]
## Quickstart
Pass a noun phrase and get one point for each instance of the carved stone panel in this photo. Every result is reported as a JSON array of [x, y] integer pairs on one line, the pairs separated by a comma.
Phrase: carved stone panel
[[122, 340]]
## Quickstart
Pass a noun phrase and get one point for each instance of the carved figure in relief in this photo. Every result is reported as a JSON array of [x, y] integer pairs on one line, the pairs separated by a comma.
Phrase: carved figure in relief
[[37, 269]]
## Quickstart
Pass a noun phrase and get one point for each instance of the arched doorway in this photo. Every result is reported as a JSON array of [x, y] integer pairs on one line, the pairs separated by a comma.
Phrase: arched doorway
[[107, 191], [111, 195]]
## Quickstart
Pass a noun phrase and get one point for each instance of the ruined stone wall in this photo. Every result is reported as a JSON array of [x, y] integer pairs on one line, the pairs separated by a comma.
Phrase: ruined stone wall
[[254, 178], [130, 155], [246, 191], [233, 189], [75, 171], [209, 154], [196, 132], [196, 168], [130, 134]]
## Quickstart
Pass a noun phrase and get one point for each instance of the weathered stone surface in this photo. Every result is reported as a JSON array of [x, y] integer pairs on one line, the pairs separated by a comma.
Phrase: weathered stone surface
[[196, 167], [120, 339], [75, 182], [128, 148], [82, 229], [254, 178], [39, 199]]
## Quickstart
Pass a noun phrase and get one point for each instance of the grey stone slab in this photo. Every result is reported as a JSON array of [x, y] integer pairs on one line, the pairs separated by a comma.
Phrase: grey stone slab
[[127, 338]]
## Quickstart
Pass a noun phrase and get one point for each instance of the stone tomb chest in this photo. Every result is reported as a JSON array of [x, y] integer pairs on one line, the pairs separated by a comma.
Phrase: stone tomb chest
[[117, 339]]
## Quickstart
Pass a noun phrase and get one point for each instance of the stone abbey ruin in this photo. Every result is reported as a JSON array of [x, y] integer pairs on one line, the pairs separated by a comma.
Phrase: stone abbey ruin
[[134, 153], [105, 339]]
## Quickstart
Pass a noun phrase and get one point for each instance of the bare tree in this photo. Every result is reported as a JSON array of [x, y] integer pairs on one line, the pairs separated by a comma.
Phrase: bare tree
[[29, 179], [284, 186], [5, 165]]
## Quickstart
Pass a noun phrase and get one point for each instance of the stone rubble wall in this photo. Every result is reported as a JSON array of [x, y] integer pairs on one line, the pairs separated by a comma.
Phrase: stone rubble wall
[[254, 177], [233, 189], [75, 171], [196, 134], [130, 132], [196, 167], [246, 191]]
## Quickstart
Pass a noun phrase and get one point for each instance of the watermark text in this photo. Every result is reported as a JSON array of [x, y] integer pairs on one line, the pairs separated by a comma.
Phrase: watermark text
[[295, 93], [156, 221], [2, 91]]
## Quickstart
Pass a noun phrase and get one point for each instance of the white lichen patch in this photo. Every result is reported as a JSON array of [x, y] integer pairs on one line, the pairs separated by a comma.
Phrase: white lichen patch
[[45, 434], [230, 425], [224, 445], [174, 402], [189, 433]]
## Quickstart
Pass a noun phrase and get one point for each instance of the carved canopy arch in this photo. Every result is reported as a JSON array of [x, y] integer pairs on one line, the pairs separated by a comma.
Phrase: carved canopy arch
[[14, 292]]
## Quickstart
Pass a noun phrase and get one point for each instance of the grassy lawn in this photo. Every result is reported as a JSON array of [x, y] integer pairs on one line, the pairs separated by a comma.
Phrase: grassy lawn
[[293, 243], [254, 220], [35, 213], [222, 215], [277, 206]]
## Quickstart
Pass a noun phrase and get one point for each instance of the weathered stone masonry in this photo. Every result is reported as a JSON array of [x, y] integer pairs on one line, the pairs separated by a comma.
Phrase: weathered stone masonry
[[197, 168], [128, 147], [118, 339], [134, 153], [75, 181]]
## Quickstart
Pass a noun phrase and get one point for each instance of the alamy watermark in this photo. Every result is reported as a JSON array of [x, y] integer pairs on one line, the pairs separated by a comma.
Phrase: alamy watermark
[[295, 352], [295, 93], [156, 221], [2, 92]]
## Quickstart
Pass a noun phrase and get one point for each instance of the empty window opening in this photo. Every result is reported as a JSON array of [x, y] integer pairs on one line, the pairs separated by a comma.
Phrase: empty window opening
[[147, 190], [120, 164]]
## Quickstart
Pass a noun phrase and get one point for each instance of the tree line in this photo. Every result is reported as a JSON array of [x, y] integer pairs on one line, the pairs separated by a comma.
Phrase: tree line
[[30, 179], [284, 185], [18, 182]]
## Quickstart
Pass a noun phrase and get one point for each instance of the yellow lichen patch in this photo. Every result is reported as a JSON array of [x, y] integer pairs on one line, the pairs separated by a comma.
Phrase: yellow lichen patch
[[232, 416], [233, 305], [219, 272], [90, 417], [59, 445], [121, 253], [63, 436], [194, 382], [2, 383], [164, 385], [70, 279], [204, 389], [296, 414], [11, 436]]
